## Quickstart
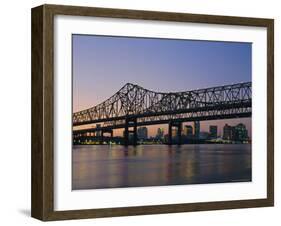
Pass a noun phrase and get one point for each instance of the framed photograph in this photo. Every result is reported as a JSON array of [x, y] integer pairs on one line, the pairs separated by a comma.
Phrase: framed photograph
[[142, 112]]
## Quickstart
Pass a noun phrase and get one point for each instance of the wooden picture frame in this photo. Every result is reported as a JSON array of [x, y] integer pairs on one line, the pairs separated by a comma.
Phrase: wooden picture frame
[[43, 109]]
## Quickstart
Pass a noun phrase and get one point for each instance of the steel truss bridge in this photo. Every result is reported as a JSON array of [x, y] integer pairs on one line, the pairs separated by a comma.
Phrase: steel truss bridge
[[134, 106]]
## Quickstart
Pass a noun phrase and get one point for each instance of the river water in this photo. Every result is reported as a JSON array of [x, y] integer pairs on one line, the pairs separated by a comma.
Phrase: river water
[[105, 166]]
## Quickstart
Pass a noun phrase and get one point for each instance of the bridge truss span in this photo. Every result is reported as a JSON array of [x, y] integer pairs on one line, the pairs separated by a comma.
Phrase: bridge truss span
[[135, 102]]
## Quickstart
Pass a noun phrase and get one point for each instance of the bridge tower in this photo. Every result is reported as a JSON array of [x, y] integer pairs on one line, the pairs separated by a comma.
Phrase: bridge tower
[[128, 123], [178, 125]]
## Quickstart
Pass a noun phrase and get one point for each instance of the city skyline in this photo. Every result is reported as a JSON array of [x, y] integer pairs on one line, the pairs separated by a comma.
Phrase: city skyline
[[103, 64], [164, 128], [189, 134], [191, 130]]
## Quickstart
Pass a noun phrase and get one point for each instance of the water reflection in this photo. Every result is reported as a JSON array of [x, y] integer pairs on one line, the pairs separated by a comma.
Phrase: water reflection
[[154, 165]]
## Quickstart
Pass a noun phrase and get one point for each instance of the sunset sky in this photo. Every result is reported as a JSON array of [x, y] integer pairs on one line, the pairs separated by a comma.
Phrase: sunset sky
[[103, 64]]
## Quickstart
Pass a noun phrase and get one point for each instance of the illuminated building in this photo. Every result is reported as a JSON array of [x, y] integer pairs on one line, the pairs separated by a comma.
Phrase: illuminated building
[[142, 133], [188, 130], [213, 130], [160, 133]]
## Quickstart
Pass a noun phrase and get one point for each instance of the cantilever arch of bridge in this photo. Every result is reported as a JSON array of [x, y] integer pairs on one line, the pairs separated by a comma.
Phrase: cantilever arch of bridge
[[134, 106]]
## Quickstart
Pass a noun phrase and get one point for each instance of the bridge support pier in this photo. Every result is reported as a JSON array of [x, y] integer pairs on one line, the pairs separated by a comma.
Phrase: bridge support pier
[[170, 134], [101, 138], [127, 132], [179, 132], [178, 125]]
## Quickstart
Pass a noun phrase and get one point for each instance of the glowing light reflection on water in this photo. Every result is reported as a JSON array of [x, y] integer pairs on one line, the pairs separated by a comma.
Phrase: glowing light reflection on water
[[103, 166]]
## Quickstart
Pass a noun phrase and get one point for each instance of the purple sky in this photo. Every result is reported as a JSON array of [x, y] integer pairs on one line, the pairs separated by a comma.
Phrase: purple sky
[[103, 64]]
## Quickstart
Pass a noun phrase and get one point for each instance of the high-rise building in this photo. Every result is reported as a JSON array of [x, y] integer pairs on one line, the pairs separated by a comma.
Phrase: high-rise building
[[204, 135], [142, 133], [213, 130], [235, 133], [228, 132], [188, 130], [160, 133], [240, 132], [197, 129]]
